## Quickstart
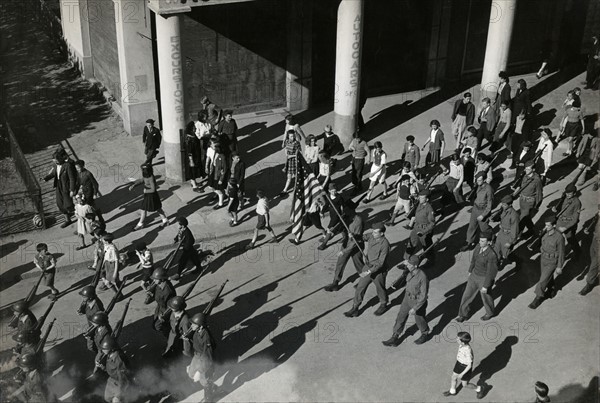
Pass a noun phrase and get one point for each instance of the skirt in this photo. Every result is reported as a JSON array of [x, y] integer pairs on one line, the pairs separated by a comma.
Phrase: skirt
[[109, 268], [291, 166], [151, 202], [585, 158], [572, 129]]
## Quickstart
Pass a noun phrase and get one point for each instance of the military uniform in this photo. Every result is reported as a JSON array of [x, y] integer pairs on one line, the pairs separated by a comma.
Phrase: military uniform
[[424, 223], [552, 254], [100, 333], [27, 321], [482, 206], [592, 275], [482, 273], [162, 294], [350, 251], [415, 297], [202, 366], [180, 324], [529, 199], [118, 376], [91, 308], [507, 233], [376, 261], [568, 219], [35, 388]]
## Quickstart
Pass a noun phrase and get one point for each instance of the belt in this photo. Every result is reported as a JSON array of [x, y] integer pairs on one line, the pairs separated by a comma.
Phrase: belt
[[566, 218], [480, 206], [550, 255], [527, 197], [506, 231], [422, 225]]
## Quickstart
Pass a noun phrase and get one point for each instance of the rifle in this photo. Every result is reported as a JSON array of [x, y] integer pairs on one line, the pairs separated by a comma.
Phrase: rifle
[[207, 310], [150, 289], [42, 318], [534, 243], [90, 331], [494, 214], [39, 349], [115, 333], [413, 209], [15, 319], [188, 291], [518, 180], [473, 191]]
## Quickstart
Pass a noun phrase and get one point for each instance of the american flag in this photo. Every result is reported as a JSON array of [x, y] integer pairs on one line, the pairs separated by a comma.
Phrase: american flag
[[306, 189]]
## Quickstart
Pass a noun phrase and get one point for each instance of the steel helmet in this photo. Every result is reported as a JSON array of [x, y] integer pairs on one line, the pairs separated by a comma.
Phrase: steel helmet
[[20, 306], [100, 318], [159, 274], [88, 291], [27, 360], [24, 336], [109, 343], [177, 303], [199, 319]]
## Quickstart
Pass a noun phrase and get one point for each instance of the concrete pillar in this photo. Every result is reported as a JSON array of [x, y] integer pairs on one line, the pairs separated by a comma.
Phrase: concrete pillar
[[170, 69], [299, 58], [134, 45], [502, 17], [347, 68], [75, 21]]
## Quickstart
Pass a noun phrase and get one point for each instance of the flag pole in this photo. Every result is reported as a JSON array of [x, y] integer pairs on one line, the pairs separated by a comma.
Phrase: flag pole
[[350, 235]]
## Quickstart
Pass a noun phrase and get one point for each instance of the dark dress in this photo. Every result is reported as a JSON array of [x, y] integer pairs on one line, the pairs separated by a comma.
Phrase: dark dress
[[151, 200], [193, 152]]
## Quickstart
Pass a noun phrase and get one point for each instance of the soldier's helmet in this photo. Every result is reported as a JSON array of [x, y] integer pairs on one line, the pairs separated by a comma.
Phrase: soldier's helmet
[[88, 292], [24, 336], [159, 274], [199, 319], [176, 303], [27, 360], [20, 306], [100, 318], [109, 343]]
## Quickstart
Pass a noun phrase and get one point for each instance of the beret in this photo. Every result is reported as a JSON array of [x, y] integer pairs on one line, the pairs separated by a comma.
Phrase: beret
[[480, 174], [551, 219], [486, 234], [414, 260], [424, 192], [529, 163], [378, 225], [508, 199]]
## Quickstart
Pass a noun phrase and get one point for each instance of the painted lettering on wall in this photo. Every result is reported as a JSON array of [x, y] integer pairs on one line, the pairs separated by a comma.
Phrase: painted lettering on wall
[[356, 28], [176, 72]]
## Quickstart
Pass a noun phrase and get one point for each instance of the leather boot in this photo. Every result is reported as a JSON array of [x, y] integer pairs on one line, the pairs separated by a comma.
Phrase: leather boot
[[332, 287], [536, 302], [586, 289], [352, 313], [393, 341], [324, 244]]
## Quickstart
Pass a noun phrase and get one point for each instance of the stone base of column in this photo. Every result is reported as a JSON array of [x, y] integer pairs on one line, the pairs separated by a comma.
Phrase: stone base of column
[[344, 127], [298, 93], [135, 116], [173, 163]]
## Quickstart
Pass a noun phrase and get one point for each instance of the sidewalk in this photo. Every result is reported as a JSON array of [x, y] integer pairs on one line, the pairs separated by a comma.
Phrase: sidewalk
[[114, 158]]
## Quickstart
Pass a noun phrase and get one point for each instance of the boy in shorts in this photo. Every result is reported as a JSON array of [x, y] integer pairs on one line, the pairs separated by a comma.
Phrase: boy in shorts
[[463, 368], [262, 211], [46, 262]]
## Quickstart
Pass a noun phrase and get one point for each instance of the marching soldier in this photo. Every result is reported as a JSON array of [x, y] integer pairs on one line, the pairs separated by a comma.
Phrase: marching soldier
[[530, 197], [482, 207], [90, 305], [180, 323], [482, 273], [25, 318], [414, 303], [375, 260], [349, 250], [422, 232], [161, 291], [552, 256], [35, 386], [202, 349], [508, 229], [27, 341], [568, 217], [592, 277], [101, 332], [116, 368], [338, 203]]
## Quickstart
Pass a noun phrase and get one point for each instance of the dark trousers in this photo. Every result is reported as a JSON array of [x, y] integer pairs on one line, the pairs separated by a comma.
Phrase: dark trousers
[[483, 133], [474, 286], [407, 305], [186, 255], [357, 171], [342, 261], [150, 154]]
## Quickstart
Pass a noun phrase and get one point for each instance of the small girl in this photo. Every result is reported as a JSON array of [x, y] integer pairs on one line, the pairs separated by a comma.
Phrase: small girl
[[110, 265], [464, 367], [46, 262], [311, 154], [325, 170], [83, 210], [378, 171], [98, 250], [291, 147]]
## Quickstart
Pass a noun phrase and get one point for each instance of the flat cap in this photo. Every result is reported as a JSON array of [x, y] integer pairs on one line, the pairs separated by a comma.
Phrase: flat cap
[[150, 121]]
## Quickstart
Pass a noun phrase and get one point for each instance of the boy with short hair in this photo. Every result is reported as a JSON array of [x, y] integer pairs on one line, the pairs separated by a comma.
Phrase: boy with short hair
[[262, 211], [463, 368], [46, 262], [146, 262], [411, 152], [541, 393], [403, 191]]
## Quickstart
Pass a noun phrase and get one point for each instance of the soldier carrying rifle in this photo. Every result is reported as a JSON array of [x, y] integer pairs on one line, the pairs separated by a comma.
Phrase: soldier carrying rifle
[[161, 291]]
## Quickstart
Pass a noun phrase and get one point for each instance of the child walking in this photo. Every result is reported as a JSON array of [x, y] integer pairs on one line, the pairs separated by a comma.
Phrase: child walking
[[84, 224], [464, 367], [262, 211], [110, 264], [46, 262], [146, 262]]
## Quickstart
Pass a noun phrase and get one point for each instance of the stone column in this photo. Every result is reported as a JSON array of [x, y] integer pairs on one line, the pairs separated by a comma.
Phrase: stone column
[[502, 17], [75, 20], [134, 45], [347, 68], [299, 58], [170, 70]]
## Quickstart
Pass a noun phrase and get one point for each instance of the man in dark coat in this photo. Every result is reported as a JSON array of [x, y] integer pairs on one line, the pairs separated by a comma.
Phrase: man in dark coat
[[88, 186], [151, 139], [65, 182]]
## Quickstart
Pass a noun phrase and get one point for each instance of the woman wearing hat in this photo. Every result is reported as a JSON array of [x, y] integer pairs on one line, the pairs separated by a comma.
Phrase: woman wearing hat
[[151, 201]]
